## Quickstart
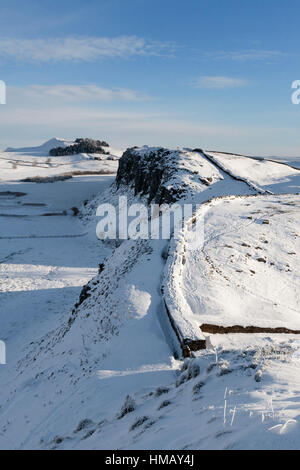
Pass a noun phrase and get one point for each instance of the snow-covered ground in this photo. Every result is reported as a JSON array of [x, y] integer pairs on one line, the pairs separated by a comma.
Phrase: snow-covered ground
[[101, 374]]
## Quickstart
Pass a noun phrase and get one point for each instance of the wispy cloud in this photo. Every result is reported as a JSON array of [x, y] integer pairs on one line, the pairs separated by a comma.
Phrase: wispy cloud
[[63, 94], [250, 54], [218, 82], [80, 48]]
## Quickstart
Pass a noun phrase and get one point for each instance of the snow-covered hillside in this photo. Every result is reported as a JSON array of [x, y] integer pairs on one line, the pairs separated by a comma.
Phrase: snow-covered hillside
[[104, 368], [246, 275], [35, 162], [266, 174]]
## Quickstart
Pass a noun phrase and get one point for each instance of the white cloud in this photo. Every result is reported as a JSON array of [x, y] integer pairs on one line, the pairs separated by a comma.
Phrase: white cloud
[[61, 94], [250, 54], [79, 48], [218, 82]]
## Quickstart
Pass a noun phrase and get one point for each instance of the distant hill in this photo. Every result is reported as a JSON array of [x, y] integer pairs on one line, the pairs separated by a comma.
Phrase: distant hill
[[44, 148]]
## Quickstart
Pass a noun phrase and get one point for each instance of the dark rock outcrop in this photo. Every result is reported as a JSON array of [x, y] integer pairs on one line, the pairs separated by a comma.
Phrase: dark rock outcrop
[[150, 173]]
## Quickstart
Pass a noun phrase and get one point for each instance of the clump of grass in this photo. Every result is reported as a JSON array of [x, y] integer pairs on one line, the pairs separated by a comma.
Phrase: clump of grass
[[83, 424], [138, 423], [129, 406], [160, 391], [164, 404], [190, 370], [197, 387]]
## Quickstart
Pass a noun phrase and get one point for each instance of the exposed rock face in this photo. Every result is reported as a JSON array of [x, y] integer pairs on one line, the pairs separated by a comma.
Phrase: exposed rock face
[[150, 172]]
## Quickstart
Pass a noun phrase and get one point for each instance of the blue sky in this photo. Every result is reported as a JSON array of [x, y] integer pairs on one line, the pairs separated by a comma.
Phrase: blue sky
[[215, 74]]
